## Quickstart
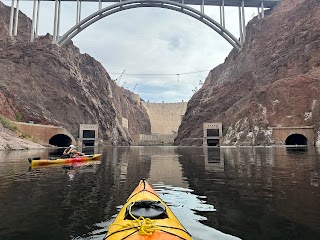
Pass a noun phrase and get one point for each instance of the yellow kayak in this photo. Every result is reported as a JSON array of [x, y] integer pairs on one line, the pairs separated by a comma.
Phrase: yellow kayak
[[74, 165], [146, 217], [42, 162]]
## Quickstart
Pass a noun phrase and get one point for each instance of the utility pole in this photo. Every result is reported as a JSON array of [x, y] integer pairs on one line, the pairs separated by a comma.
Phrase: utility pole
[[134, 87], [119, 78]]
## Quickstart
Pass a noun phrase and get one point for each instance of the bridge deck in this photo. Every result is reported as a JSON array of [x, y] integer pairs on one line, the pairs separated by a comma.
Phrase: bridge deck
[[229, 3]]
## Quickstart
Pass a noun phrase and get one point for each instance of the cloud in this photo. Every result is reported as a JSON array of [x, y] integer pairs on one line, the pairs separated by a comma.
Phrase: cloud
[[159, 47]]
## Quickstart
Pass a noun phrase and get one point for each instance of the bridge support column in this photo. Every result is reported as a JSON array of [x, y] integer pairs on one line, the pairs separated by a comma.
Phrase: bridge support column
[[11, 18], [261, 12], [34, 20], [78, 11], [240, 27], [56, 21], [202, 6], [37, 23], [243, 21], [15, 31], [222, 17], [262, 9], [59, 14], [100, 5]]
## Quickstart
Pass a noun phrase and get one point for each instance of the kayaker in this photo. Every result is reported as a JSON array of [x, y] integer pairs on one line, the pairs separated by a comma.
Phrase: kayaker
[[72, 152]]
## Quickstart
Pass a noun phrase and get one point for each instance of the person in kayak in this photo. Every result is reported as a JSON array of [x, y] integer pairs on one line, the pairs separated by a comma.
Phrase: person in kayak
[[72, 152]]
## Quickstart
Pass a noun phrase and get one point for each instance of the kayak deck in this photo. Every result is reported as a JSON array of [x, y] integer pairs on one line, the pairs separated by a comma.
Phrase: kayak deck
[[42, 162], [146, 217]]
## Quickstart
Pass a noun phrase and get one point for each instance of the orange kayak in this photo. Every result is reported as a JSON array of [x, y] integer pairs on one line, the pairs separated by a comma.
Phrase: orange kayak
[[42, 162], [146, 217]]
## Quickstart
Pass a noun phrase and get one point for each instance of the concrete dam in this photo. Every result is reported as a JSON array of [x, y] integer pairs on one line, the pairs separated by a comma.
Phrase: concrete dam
[[165, 119]]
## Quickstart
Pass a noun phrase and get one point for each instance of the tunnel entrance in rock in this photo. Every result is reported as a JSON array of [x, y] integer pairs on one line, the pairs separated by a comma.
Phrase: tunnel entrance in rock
[[60, 140], [296, 139]]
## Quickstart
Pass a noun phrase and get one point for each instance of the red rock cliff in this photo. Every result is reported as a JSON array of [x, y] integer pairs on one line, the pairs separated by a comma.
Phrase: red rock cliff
[[51, 85], [273, 81]]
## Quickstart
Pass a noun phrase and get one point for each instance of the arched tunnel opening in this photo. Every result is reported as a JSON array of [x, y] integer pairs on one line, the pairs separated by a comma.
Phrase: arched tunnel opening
[[296, 139], [60, 140]]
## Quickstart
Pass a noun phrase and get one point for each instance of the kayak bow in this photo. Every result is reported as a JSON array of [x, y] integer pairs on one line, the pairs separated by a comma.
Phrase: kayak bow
[[146, 217], [42, 162]]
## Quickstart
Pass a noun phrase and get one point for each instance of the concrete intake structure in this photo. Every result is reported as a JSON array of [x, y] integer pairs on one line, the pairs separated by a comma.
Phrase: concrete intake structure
[[88, 135], [212, 134]]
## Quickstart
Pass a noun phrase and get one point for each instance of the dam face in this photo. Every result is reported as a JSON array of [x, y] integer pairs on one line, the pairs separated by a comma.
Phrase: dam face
[[165, 119]]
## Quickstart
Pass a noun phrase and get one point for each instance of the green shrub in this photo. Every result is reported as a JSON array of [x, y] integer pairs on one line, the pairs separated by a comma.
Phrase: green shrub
[[7, 123], [12, 127], [19, 117]]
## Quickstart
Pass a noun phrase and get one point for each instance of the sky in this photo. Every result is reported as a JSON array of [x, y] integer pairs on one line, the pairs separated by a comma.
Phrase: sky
[[165, 55]]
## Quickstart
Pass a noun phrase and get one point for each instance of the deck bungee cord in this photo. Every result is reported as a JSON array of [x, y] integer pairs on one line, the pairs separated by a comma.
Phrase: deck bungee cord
[[145, 214], [144, 226]]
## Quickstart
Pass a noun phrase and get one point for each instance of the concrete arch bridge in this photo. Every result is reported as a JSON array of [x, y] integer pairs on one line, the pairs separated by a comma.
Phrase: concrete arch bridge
[[47, 134], [119, 5]]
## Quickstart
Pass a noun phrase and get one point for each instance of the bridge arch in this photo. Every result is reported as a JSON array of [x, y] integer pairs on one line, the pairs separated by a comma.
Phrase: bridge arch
[[125, 5]]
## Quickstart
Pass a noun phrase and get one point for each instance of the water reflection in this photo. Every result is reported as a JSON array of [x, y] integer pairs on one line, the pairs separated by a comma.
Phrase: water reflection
[[217, 193], [12, 157], [213, 158], [162, 168], [165, 168], [258, 189], [80, 168], [188, 207], [297, 149]]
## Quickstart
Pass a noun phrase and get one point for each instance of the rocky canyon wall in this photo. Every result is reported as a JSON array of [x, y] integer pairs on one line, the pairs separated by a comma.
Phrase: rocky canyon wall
[[47, 84], [273, 81]]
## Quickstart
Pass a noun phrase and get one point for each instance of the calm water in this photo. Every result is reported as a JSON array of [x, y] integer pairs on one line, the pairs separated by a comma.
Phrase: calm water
[[227, 193]]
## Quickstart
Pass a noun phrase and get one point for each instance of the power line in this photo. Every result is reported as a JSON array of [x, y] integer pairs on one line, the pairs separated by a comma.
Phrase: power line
[[161, 74]]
